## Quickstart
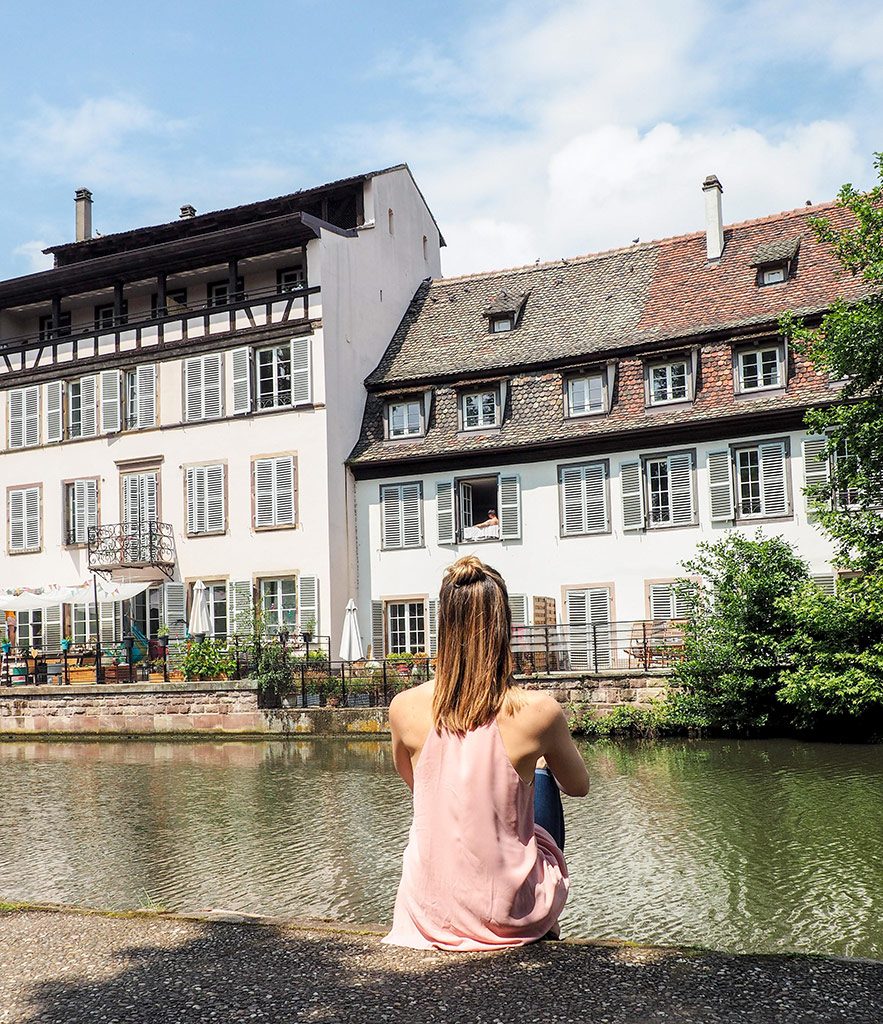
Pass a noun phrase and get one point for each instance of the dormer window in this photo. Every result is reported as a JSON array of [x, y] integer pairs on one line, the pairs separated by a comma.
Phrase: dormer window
[[405, 418], [502, 322], [480, 409], [587, 392], [504, 312], [669, 379], [775, 261], [761, 368]]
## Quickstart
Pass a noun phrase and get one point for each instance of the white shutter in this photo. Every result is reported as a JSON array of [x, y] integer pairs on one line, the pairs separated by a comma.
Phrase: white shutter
[[108, 620], [88, 406], [518, 609], [661, 601], [193, 390], [32, 517], [32, 416], [16, 520], [212, 387], [90, 507], [241, 603], [599, 614], [680, 484], [263, 492], [131, 500], [110, 401], [308, 603], [301, 383], [444, 504], [145, 388], [378, 636], [573, 509], [632, 483], [391, 516], [720, 486], [79, 527], [52, 620], [509, 501], [816, 464], [684, 599], [16, 418], [241, 381], [595, 501], [577, 633], [284, 503], [54, 417], [195, 500], [214, 498], [175, 609], [412, 516], [432, 614], [150, 510], [772, 474], [827, 583]]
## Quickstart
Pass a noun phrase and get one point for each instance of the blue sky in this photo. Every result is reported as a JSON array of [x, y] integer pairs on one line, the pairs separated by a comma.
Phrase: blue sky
[[536, 130]]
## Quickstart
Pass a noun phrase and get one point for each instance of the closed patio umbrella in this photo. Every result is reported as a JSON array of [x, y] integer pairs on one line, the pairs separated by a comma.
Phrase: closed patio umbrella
[[351, 638], [200, 624]]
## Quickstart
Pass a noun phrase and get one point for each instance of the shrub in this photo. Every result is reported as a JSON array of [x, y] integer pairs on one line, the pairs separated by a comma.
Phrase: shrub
[[207, 659]]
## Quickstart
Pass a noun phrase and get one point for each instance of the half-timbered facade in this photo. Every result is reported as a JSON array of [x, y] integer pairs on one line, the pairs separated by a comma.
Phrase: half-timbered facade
[[177, 403]]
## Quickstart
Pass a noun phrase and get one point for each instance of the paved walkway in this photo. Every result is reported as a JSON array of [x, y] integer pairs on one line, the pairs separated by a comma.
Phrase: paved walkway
[[70, 967]]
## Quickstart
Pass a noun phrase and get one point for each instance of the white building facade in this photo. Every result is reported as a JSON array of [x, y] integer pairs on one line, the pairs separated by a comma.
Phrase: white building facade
[[189, 393]]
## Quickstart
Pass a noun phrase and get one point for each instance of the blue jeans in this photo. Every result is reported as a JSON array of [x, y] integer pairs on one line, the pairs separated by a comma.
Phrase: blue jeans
[[547, 808]]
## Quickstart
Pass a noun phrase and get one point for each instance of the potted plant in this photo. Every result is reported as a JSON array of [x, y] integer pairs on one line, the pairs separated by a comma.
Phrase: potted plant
[[308, 631]]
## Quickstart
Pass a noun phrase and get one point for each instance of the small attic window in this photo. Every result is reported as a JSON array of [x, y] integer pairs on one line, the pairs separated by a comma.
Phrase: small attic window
[[775, 262], [773, 274], [500, 322], [504, 312]]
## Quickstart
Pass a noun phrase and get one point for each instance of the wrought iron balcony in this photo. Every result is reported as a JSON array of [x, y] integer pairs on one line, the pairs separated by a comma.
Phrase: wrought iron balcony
[[132, 546]]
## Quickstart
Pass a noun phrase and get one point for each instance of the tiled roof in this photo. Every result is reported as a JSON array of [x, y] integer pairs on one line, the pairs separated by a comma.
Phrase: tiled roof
[[776, 252], [614, 304]]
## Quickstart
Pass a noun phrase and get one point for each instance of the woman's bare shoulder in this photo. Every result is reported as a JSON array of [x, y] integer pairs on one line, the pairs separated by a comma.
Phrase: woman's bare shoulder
[[534, 707], [411, 701]]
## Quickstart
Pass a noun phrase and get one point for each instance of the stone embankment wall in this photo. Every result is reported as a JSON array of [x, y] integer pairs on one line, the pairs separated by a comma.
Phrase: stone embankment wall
[[231, 708]]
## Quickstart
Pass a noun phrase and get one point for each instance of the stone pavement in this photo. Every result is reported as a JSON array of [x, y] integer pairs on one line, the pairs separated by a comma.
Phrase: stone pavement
[[71, 967]]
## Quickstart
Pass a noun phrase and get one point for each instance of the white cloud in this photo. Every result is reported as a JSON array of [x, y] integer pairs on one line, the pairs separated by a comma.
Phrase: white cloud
[[32, 257]]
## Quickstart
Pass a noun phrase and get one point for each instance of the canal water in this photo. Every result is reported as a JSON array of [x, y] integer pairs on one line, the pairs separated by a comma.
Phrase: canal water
[[761, 846]]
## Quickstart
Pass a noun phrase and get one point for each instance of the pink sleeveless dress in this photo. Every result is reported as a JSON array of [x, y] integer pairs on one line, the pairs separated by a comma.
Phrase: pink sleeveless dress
[[478, 873]]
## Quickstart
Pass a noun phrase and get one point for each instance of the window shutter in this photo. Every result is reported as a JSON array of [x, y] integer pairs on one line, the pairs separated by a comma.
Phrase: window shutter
[[377, 633], [110, 401], [827, 583], [433, 627], [194, 482], [17, 520], [632, 482], [54, 419], [145, 387], [308, 603], [32, 416], [816, 467], [284, 491], [595, 476], [193, 390], [78, 528], [131, 504], [510, 507], [661, 601], [16, 418], [577, 633], [391, 516], [151, 512], [772, 468], [412, 516], [175, 609], [212, 387], [599, 612], [518, 609], [107, 613], [573, 508], [90, 504], [241, 605], [684, 599], [720, 486], [680, 482], [52, 619], [263, 492], [301, 384], [444, 504], [241, 381], [32, 517], [214, 497], [89, 411]]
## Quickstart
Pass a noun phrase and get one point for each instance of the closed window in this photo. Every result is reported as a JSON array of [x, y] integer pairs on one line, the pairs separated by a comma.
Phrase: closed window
[[216, 594], [83, 623], [283, 375], [761, 368], [669, 382], [405, 419], [761, 486], [586, 394], [406, 627], [290, 279], [658, 491], [773, 274], [274, 492], [480, 409], [218, 292], [584, 499], [203, 388], [402, 515], [501, 322], [140, 397], [29, 628], [205, 499], [106, 315], [82, 418], [24, 417], [589, 641], [81, 510], [279, 604], [47, 330], [176, 302], [24, 518]]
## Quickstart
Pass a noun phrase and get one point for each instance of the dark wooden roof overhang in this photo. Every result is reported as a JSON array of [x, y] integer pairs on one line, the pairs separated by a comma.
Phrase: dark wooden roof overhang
[[182, 254]]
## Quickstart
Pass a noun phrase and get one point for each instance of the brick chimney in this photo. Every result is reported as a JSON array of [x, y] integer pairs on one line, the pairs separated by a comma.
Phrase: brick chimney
[[83, 201], [187, 211], [714, 224]]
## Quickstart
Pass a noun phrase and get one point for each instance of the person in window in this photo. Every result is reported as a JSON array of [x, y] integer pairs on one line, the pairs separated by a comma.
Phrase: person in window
[[485, 760], [492, 520]]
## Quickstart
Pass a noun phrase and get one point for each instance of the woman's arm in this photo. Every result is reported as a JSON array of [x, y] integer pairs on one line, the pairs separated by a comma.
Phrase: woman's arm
[[562, 757], [401, 755]]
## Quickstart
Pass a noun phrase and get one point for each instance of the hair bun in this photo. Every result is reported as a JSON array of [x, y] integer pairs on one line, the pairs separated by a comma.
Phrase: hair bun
[[469, 569]]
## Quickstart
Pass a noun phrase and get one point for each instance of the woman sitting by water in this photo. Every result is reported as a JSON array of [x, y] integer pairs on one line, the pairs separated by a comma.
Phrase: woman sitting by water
[[484, 867]]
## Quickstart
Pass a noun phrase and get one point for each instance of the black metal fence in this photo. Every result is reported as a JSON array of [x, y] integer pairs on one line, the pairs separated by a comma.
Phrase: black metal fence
[[639, 644]]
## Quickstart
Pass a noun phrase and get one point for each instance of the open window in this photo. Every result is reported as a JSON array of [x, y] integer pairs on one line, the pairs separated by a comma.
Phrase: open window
[[478, 509]]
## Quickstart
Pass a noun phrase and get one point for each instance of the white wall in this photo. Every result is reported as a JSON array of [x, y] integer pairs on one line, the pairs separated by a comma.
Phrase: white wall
[[543, 563]]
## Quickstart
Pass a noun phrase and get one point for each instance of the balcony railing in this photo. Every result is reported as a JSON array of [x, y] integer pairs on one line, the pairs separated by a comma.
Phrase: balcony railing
[[132, 546], [255, 308], [637, 645]]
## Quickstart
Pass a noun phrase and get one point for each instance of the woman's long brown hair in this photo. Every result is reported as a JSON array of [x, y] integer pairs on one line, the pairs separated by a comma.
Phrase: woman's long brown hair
[[473, 669]]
